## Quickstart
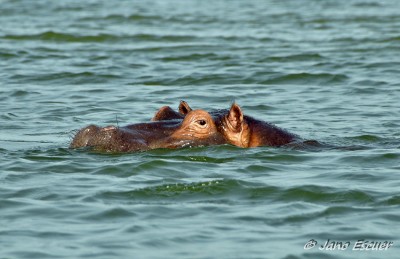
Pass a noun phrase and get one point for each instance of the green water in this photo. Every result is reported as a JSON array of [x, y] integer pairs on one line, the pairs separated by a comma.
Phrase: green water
[[325, 70]]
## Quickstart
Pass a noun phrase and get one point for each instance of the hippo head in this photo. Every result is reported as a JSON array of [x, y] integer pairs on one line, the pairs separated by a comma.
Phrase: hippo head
[[230, 123], [197, 128], [236, 128]]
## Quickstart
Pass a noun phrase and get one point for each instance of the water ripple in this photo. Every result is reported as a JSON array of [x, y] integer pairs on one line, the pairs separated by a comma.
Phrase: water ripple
[[68, 37], [326, 70], [70, 77], [307, 78]]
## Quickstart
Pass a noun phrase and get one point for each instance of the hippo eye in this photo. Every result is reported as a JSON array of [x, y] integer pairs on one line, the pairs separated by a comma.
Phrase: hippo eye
[[202, 122]]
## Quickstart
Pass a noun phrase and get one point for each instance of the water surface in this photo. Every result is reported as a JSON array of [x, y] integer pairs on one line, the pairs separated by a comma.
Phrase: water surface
[[325, 70]]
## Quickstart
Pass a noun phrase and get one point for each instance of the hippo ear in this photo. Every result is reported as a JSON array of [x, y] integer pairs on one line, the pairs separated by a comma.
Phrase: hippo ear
[[235, 118], [184, 108]]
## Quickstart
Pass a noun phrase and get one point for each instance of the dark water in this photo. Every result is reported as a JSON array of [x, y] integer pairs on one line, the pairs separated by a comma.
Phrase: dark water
[[326, 70]]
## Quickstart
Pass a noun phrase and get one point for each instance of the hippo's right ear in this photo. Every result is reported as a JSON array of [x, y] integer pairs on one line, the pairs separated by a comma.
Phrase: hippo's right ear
[[235, 118], [184, 108]]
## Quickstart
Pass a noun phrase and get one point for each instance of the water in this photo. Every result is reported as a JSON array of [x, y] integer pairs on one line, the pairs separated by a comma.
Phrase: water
[[325, 70]]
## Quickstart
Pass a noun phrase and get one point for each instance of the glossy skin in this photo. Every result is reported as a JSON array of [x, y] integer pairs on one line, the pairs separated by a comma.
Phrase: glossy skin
[[197, 128], [245, 131], [167, 113], [238, 129]]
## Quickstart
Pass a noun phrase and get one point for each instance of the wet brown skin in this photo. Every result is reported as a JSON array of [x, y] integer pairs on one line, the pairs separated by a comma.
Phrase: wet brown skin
[[238, 129], [244, 131], [167, 113], [197, 128]]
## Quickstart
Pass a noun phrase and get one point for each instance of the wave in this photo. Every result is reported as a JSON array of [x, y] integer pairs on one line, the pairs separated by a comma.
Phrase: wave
[[66, 77], [102, 37], [292, 58], [240, 190], [307, 78]]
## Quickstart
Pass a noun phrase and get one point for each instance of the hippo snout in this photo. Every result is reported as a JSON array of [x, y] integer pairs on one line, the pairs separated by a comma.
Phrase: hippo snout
[[83, 137]]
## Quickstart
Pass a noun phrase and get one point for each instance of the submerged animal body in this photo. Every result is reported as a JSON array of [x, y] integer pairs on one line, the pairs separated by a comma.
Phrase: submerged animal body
[[197, 128]]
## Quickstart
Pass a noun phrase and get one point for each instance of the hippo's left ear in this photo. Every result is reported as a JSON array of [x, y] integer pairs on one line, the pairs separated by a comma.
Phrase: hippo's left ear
[[235, 118], [184, 108]]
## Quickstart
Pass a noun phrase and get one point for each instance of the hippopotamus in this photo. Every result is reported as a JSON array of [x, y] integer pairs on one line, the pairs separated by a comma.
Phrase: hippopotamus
[[237, 129], [188, 128], [195, 128]]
